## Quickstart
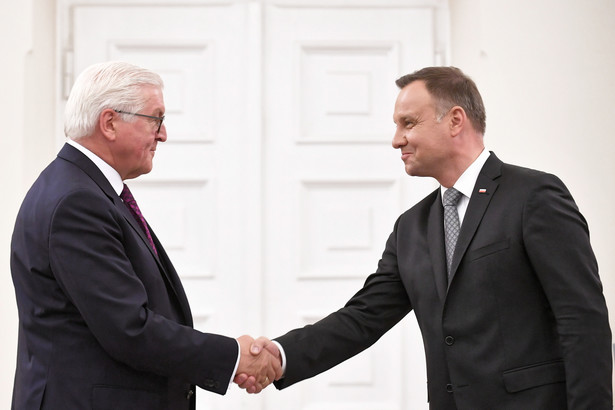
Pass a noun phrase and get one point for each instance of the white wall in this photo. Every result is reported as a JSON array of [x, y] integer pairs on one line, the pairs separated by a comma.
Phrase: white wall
[[544, 69], [26, 140], [12, 18]]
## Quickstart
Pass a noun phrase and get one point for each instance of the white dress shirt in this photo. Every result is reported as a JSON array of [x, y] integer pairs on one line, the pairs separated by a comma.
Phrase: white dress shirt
[[107, 170], [466, 182]]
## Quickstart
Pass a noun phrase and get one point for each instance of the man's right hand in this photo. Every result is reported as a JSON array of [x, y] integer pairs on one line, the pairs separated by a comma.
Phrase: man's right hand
[[259, 364]]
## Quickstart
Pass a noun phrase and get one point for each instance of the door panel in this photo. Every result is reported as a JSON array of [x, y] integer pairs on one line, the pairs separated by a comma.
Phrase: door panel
[[334, 186]]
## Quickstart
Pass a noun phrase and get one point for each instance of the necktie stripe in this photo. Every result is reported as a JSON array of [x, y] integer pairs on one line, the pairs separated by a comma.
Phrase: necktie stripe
[[131, 204]]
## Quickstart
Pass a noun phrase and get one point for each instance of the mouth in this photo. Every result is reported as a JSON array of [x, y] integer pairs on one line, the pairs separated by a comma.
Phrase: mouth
[[405, 155]]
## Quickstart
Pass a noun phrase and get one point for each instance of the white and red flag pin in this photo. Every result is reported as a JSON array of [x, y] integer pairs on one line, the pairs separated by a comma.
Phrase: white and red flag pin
[[482, 191]]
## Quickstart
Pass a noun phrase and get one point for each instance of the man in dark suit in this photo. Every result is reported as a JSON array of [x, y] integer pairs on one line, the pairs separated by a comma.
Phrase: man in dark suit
[[513, 316], [104, 322]]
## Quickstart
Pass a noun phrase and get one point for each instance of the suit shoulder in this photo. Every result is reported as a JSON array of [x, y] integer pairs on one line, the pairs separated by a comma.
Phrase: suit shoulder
[[61, 177], [528, 177], [522, 185], [61, 182]]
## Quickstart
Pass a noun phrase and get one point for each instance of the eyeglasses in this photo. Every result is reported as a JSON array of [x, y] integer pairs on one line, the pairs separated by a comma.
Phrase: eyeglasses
[[159, 119]]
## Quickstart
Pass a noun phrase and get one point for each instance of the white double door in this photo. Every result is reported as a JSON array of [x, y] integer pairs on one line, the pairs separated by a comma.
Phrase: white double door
[[278, 186]]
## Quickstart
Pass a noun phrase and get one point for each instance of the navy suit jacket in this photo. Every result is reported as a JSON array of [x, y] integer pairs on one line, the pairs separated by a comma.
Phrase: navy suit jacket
[[104, 323], [522, 323]]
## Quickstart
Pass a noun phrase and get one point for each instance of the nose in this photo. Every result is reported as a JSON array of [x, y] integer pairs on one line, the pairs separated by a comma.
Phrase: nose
[[399, 140], [162, 134]]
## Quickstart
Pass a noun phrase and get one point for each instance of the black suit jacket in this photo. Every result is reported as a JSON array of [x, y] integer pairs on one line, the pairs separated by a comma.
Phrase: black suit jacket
[[104, 323], [522, 324]]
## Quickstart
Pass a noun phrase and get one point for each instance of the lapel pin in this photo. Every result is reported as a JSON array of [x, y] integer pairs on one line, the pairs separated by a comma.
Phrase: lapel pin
[[482, 191]]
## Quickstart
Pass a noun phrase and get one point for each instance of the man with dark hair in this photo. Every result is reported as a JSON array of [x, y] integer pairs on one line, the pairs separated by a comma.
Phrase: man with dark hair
[[496, 264]]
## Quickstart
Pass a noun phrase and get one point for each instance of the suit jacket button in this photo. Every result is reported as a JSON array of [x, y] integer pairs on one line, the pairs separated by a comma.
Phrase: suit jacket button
[[449, 388], [189, 394], [449, 340]]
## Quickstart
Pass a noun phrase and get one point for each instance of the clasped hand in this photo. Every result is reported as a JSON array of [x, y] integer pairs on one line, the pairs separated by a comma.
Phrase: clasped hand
[[259, 364]]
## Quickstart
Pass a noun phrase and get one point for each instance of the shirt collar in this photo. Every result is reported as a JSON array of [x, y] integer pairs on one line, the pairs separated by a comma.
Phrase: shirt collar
[[467, 180], [107, 170]]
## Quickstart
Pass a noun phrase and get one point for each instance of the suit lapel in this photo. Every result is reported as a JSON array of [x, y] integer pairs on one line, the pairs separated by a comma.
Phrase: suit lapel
[[173, 279], [485, 188], [119, 204], [74, 156], [435, 240], [168, 274]]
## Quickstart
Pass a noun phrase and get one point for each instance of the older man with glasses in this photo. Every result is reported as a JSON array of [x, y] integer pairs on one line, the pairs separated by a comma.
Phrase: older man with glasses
[[104, 322]]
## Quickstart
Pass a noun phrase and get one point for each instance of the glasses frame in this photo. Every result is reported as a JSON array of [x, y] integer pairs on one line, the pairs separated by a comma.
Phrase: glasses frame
[[160, 119]]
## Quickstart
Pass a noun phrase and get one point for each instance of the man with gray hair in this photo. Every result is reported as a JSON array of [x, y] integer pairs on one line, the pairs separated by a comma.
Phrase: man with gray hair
[[104, 322]]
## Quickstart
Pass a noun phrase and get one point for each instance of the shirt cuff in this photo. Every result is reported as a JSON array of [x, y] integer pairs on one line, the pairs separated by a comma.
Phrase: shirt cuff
[[282, 355], [236, 364]]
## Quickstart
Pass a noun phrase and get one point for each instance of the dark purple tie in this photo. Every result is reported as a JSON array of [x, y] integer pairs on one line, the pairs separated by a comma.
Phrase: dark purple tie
[[132, 206]]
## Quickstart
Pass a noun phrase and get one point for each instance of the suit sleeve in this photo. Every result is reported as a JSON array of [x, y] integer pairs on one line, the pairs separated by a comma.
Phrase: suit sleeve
[[90, 263], [557, 242], [371, 312]]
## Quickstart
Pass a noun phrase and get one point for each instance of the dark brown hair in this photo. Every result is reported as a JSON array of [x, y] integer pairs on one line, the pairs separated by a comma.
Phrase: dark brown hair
[[449, 87]]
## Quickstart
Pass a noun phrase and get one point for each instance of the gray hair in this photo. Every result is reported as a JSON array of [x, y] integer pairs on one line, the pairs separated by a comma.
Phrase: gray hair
[[115, 85]]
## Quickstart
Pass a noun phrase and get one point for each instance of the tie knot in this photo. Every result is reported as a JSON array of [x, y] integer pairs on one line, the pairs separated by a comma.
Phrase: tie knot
[[451, 197]]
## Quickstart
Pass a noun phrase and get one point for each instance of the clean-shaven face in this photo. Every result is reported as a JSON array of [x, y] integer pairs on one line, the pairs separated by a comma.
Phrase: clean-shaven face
[[424, 141], [136, 140]]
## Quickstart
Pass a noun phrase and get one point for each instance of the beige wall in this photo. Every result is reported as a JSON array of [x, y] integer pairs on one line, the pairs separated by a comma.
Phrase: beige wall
[[544, 68]]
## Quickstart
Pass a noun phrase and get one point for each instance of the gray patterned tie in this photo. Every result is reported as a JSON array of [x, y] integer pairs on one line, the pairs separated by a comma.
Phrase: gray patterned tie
[[451, 224]]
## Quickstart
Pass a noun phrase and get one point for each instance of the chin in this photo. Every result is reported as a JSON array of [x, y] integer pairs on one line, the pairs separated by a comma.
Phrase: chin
[[145, 170]]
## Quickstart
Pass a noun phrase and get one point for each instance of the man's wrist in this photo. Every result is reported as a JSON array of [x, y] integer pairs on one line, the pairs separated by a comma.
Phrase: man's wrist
[[282, 356]]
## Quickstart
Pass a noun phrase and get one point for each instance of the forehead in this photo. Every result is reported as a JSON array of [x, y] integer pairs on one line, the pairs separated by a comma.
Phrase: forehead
[[413, 99], [154, 99]]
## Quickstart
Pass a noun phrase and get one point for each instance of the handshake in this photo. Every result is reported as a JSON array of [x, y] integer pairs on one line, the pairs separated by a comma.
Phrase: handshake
[[260, 364]]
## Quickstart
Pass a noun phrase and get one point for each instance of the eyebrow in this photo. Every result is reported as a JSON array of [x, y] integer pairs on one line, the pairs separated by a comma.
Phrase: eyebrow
[[405, 118]]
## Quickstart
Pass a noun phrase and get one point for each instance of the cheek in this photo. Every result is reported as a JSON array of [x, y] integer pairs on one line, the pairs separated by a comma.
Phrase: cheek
[[145, 145], [417, 139]]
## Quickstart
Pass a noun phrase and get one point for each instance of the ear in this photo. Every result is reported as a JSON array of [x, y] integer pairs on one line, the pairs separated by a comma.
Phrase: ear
[[458, 119], [106, 123]]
